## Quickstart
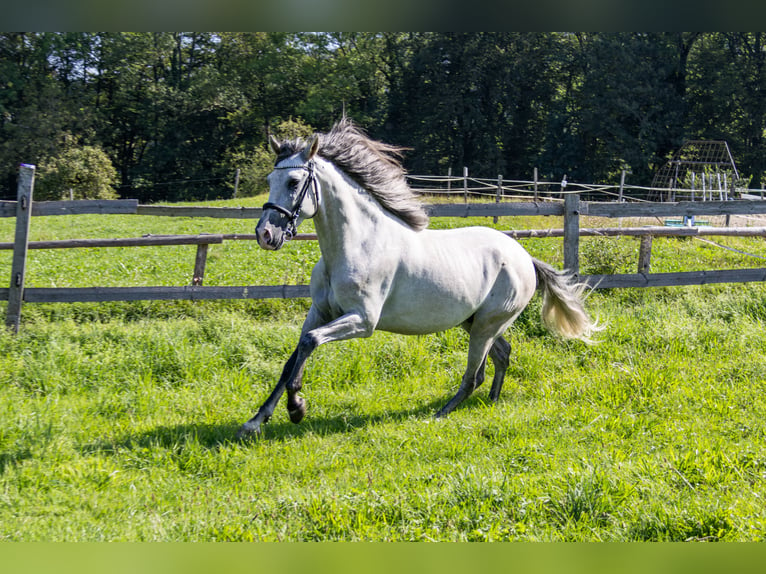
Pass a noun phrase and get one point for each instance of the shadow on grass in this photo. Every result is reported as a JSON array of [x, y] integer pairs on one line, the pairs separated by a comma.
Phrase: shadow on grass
[[12, 458], [217, 435]]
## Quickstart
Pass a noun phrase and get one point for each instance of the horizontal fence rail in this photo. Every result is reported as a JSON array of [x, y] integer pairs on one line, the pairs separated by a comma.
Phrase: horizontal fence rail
[[79, 207], [199, 211], [185, 293], [569, 206], [147, 241], [674, 279]]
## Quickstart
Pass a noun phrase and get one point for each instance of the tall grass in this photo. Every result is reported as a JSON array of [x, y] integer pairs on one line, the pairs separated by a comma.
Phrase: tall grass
[[117, 420]]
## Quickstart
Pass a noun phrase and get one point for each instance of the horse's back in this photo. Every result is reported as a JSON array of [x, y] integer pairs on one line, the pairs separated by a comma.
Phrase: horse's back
[[446, 276]]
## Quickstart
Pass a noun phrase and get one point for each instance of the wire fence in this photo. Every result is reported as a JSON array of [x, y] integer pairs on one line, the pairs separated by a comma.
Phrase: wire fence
[[713, 189]]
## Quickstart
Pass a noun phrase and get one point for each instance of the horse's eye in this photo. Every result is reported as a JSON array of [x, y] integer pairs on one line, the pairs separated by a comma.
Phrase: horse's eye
[[292, 184]]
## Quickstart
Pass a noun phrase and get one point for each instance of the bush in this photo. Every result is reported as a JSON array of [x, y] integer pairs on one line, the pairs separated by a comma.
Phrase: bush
[[606, 255], [85, 170]]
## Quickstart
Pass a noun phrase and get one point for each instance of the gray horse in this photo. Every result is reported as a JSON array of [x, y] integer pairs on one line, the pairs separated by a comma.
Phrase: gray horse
[[382, 269]]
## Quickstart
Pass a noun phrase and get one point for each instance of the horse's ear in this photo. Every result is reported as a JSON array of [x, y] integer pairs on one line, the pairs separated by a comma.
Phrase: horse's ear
[[311, 148], [274, 144]]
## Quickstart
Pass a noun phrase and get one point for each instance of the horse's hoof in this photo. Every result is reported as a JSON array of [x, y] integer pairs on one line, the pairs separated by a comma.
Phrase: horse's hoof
[[249, 430], [297, 410]]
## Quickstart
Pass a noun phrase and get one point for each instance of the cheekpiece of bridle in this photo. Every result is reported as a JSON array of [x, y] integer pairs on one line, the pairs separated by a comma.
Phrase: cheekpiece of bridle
[[292, 214]]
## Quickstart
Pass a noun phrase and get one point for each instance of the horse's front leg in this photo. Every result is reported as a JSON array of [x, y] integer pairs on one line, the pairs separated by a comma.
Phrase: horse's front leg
[[348, 326], [314, 319], [253, 426]]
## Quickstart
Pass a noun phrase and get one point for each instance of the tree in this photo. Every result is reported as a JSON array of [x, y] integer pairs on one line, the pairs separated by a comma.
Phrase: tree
[[33, 109], [628, 105], [178, 113], [727, 87], [476, 100], [165, 112], [346, 73], [256, 163]]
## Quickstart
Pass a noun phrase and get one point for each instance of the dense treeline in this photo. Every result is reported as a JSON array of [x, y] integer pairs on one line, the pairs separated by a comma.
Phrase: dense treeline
[[171, 116]]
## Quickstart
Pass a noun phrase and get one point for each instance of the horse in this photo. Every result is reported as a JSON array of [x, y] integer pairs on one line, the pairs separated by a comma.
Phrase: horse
[[381, 268]]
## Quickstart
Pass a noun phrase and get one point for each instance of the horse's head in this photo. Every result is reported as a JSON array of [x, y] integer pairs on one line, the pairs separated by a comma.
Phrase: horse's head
[[293, 196]]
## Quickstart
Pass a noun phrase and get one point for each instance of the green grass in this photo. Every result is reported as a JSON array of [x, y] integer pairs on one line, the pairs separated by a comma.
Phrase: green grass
[[116, 420]]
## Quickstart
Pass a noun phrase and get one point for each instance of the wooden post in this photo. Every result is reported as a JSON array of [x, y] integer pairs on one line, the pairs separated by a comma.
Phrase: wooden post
[[645, 254], [236, 183], [725, 195], [465, 185], [535, 176], [622, 186], [704, 189], [20, 245], [499, 193], [572, 233], [688, 219], [720, 189], [449, 180], [199, 264], [693, 184]]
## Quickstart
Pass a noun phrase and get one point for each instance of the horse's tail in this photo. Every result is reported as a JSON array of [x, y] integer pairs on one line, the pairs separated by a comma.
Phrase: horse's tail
[[563, 310]]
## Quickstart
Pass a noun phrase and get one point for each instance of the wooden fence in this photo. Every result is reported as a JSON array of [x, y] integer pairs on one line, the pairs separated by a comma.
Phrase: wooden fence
[[571, 209]]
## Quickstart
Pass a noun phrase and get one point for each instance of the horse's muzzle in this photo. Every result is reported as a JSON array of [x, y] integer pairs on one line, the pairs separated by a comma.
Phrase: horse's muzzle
[[271, 235]]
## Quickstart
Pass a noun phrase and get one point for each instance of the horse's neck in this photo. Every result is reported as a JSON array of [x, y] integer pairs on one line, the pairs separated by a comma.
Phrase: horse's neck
[[349, 218]]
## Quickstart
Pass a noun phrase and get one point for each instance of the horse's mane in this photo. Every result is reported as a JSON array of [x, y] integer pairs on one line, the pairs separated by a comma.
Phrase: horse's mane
[[374, 165]]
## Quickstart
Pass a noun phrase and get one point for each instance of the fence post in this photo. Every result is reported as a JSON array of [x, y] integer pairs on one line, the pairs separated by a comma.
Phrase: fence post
[[622, 186], [572, 233], [465, 184], [499, 193], [236, 183], [20, 245], [704, 190], [645, 254], [199, 264], [535, 176]]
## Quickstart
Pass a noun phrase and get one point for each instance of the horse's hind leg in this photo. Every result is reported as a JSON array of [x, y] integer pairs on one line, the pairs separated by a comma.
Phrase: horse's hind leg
[[481, 374], [478, 347], [500, 354]]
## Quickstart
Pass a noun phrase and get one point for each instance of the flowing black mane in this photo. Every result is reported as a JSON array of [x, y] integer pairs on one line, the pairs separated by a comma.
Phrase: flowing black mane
[[374, 165]]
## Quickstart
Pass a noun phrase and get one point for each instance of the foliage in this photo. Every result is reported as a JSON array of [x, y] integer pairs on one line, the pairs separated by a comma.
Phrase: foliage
[[177, 113], [86, 172], [630, 105], [257, 163], [606, 255]]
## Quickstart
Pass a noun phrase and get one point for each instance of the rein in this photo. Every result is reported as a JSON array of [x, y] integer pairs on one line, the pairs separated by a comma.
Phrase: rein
[[292, 214]]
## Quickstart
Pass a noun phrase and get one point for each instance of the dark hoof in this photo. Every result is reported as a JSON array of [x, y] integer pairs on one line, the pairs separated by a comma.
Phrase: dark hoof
[[297, 409], [247, 431], [251, 428]]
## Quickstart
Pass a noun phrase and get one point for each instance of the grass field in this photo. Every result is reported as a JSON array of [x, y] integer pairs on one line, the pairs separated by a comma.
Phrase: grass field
[[117, 420]]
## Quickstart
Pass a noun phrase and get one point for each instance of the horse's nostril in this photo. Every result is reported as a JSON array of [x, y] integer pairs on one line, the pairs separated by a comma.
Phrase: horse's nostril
[[266, 235]]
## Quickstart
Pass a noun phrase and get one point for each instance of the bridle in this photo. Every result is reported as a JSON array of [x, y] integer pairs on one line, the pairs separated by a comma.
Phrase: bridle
[[309, 183]]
